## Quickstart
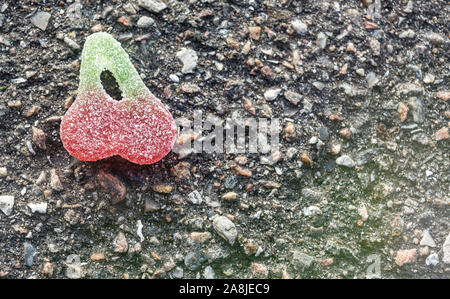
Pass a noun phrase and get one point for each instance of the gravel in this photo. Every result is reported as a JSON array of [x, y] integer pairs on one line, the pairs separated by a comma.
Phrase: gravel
[[189, 59], [427, 240], [360, 90], [6, 204], [40, 19], [145, 22], [299, 27], [225, 228], [301, 260], [446, 250], [29, 254], [195, 197], [346, 161], [272, 94], [153, 5], [40, 207]]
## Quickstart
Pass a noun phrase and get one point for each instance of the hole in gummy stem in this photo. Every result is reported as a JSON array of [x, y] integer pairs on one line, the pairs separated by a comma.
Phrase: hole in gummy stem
[[110, 85]]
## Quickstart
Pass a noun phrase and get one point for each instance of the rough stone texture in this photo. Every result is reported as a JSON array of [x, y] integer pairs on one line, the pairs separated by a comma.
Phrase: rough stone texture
[[40, 19], [145, 22], [299, 27], [346, 161], [6, 204], [406, 256], [152, 5], [298, 199], [446, 250], [427, 240], [302, 260], [225, 228], [120, 243], [189, 59]]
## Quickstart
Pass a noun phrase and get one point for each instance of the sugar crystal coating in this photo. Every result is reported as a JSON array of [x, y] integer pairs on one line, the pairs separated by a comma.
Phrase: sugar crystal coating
[[139, 128]]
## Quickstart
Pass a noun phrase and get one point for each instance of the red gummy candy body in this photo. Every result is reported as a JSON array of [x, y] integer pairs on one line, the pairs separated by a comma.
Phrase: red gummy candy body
[[96, 127]]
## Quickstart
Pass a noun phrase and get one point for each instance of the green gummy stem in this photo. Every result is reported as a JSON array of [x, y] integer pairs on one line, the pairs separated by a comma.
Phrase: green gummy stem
[[102, 52]]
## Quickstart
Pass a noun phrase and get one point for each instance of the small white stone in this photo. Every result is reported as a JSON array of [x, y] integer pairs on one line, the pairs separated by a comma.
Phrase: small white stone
[[311, 210], [272, 94], [371, 79], [407, 34], [40, 207], [428, 78], [427, 240], [174, 78], [361, 72], [346, 161], [6, 204], [40, 19], [139, 230], [432, 259], [153, 5], [195, 197], [335, 148], [313, 140], [225, 228], [299, 27], [145, 22], [189, 59], [321, 40], [446, 250], [362, 211]]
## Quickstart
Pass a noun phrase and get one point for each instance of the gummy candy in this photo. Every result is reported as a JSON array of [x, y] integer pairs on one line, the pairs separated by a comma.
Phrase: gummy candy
[[139, 128]]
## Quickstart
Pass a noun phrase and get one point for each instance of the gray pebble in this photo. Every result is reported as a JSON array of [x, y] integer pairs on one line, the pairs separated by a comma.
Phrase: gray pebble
[[152, 5], [318, 85], [6, 204], [194, 259], [416, 106], [446, 250], [407, 34], [293, 97], [435, 38], [346, 161], [323, 133], [40, 207], [209, 273], [145, 22], [321, 40], [4, 41], [174, 78], [73, 12], [375, 46], [151, 205], [301, 260], [189, 59], [427, 240], [371, 79], [40, 19], [299, 27], [124, 37], [30, 253], [177, 272], [432, 260], [272, 94], [225, 228], [195, 197], [72, 44]]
